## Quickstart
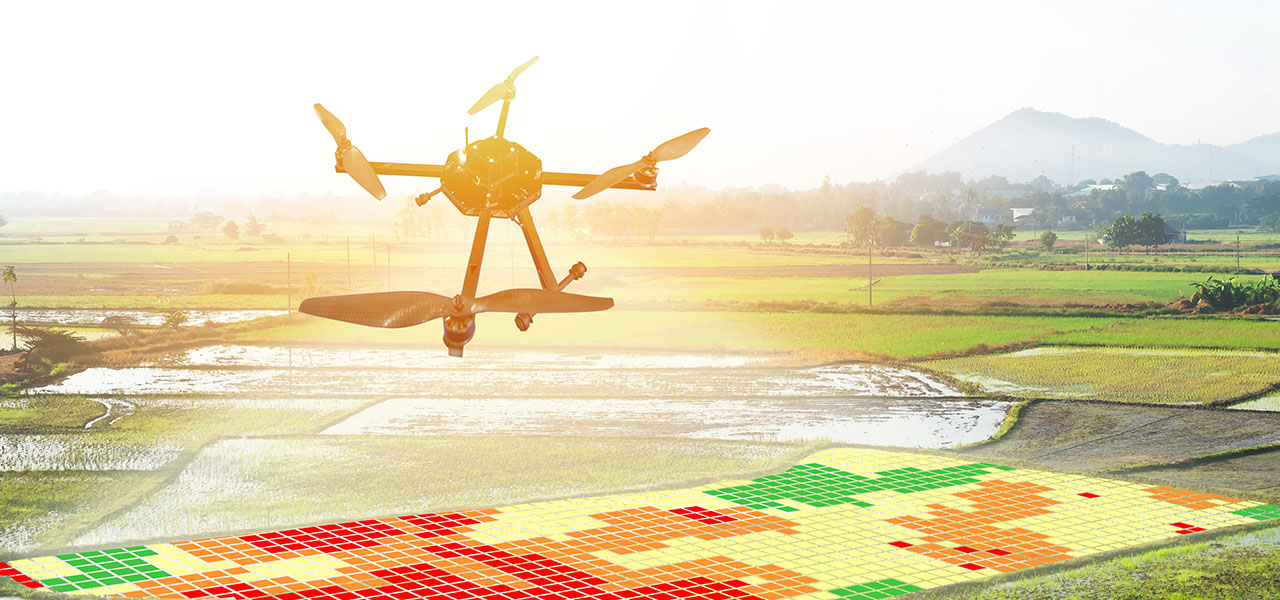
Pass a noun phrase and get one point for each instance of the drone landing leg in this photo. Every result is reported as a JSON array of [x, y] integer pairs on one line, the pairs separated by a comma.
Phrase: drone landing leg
[[472, 279], [459, 330], [545, 275]]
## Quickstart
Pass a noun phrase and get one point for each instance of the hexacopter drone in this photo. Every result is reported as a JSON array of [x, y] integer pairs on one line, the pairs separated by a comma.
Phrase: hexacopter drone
[[489, 178]]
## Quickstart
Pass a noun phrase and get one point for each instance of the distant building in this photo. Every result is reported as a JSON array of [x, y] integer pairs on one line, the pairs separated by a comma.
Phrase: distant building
[[1173, 235], [982, 214], [1019, 213], [1087, 190]]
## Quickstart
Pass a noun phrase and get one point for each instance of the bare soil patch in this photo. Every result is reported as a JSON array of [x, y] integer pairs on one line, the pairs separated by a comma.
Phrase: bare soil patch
[[1090, 437]]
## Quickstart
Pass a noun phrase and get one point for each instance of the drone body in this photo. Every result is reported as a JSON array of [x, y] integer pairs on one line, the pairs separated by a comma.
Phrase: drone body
[[489, 178]]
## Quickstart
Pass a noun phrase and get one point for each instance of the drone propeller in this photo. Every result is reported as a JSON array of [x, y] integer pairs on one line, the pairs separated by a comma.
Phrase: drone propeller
[[535, 301], [496, 92], [669, 150], [393, 310], [353, 161]]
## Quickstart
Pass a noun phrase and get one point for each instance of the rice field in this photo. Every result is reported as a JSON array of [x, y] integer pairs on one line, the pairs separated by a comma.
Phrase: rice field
[[1151, 375], [79, 452], [246, 484]]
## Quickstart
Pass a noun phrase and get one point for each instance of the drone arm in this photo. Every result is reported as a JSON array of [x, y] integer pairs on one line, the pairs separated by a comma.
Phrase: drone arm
[[548, 177], [545, 276]]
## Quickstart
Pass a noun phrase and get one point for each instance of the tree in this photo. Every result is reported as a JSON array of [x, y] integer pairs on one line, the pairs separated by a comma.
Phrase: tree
[[121, 324], [253, 226], [891, 232], [2, 221], [11, 278], [1000, 236], [968, 234], [231, 230], [861, 225], [205, 221], [50, 345], [1046, 217], [766, 234], [1123, 232], [1137, 182], [928, 231], [1047, 239], [410, 220], [175, 318], [1150, 230], [649, 221], [783, 234]]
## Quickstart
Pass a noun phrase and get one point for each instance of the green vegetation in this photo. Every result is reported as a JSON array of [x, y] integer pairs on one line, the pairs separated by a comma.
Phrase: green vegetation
[[1238, 567], [1120, 374], [1228, 294], [887, 335], [43, 413], [1165, 332]]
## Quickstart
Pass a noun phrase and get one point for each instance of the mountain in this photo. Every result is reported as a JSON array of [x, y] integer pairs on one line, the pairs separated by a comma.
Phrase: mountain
[[1265, 148], [1028, 143]]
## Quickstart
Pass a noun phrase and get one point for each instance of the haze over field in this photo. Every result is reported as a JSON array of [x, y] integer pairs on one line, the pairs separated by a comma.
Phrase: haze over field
[[176, 99], [1029, 143]]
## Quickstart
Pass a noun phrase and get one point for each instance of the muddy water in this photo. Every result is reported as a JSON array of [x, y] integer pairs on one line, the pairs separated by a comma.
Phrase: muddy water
[[919, 422], [690, 395]]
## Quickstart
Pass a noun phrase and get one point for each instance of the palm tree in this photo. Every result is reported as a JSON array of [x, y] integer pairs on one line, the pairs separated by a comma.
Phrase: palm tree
[[11, 277]]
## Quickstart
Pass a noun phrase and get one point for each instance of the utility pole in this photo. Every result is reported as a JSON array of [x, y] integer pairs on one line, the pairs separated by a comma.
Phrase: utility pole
[[1086, 253], [288, 282], [1237, 251], [868, 274], [348, 263]]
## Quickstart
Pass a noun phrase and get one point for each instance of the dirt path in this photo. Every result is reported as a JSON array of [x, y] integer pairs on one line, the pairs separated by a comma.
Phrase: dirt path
[[1091, 437]]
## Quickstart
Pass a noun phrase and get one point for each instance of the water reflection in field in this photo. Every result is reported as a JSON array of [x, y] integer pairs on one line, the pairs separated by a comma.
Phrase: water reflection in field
[[717, 396]]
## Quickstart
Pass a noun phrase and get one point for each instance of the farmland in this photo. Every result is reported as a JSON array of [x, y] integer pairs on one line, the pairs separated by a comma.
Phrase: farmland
[[288, 420], [1156, 376]]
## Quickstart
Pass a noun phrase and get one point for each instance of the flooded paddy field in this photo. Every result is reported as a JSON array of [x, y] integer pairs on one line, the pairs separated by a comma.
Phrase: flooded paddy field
[[95, 316], [232, 437], [686, 395]]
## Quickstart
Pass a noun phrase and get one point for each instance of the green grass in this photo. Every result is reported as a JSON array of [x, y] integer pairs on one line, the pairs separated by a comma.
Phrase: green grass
[[1161, 376], [1237, 567], [41, 509], [1178, 332], [954, 290], [889, 335], [47, 412]]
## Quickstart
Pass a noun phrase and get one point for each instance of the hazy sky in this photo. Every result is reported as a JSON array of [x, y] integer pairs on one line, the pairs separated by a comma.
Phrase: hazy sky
[[185, 98]]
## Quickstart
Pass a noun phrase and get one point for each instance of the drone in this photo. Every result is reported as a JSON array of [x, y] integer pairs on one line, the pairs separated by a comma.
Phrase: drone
[[487, 179]]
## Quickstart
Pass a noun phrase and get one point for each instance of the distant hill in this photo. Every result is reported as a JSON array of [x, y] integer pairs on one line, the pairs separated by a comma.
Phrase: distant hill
[[1265, 148], [1028, 143]]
